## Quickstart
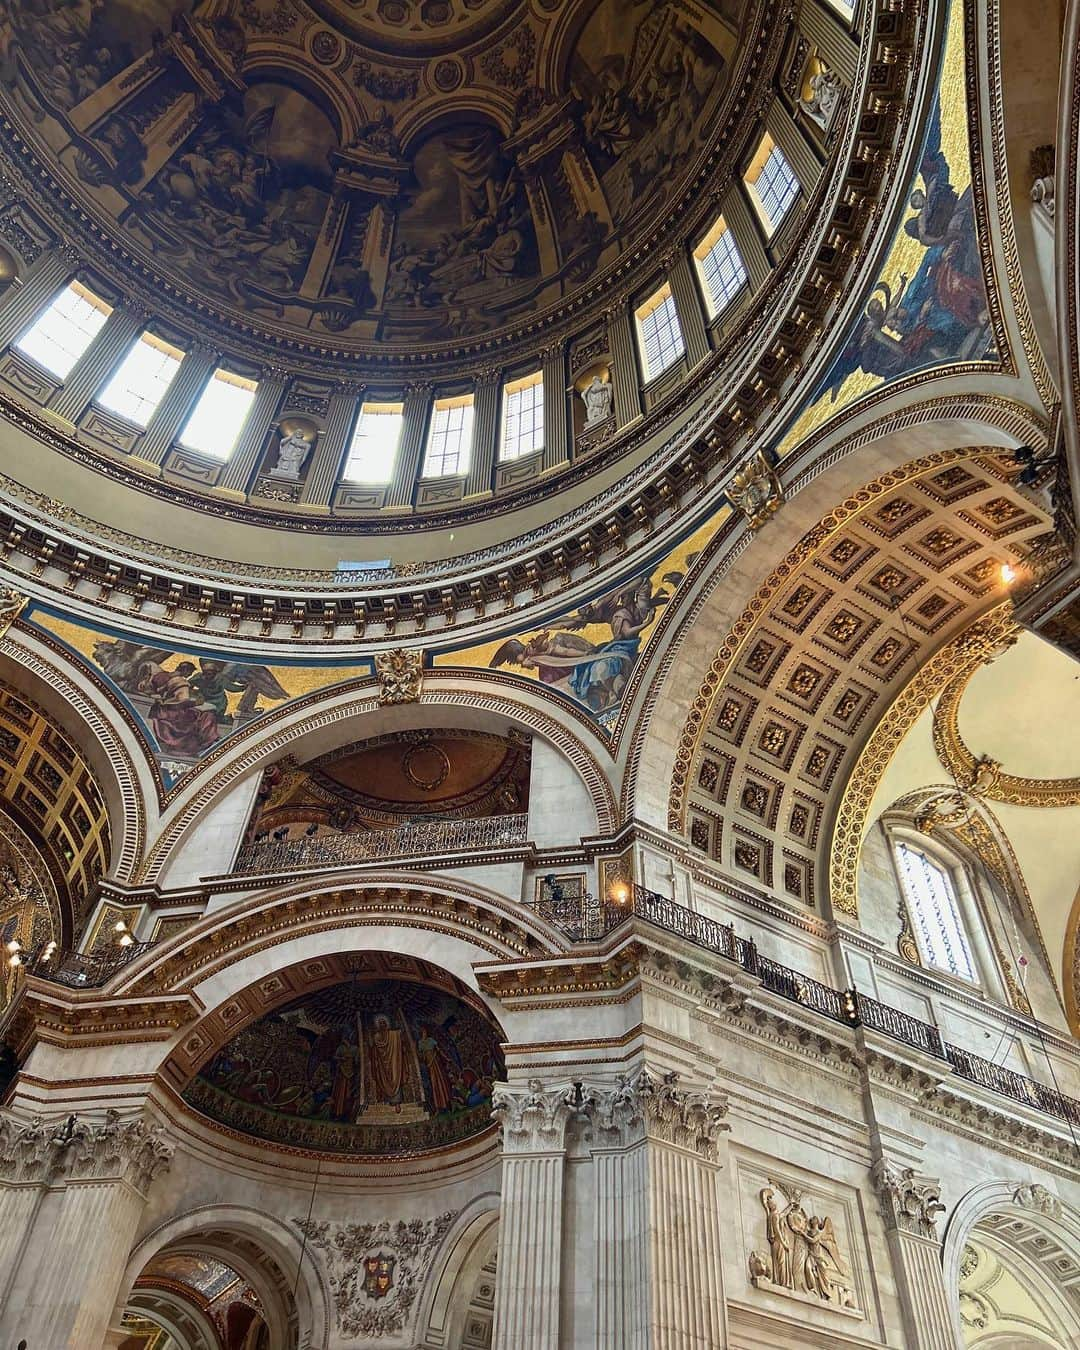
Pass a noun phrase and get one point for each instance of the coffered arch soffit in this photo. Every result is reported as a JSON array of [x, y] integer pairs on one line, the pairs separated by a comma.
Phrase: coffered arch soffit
[[820, 652], [837, 462]]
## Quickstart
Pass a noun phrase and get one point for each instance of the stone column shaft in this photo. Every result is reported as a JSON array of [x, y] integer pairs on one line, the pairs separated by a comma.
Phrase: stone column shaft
[[417, 411], [688, 307], [241, 463], [910, 1205], [797, 149], [687, 1301], [621, 1227], [624, 369], [96, 364], [486, 433], [22, 302], [530, 1253], [740, 221], [556, 412], [18, 1209], [327, 460], [171, 413]]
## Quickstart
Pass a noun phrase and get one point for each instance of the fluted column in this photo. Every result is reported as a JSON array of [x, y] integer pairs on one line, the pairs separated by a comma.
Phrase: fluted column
[[417, 411], [28, 1163], [325, 467], [534, 1120], [740, 221], [624, 370], [41, 282], [73, 1259], [96, 364], [797, 149], [241, 463], [688, 307], [556, 413], [171, 413], [485, 431], [910, 1205]]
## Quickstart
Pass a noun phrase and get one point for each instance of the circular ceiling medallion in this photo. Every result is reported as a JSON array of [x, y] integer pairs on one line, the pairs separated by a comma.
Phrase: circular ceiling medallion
[[426, 766]]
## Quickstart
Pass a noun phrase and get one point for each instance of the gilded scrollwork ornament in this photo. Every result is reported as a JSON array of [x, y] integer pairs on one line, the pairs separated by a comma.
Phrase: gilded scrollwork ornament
[[400, 673], [12, 604], [756, 491]]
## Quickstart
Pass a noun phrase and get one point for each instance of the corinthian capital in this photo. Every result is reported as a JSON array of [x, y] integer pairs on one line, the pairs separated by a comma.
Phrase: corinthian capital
[[29, 1150], [909, 1203], [686, 1117], [534, 1116], [117, 1148]]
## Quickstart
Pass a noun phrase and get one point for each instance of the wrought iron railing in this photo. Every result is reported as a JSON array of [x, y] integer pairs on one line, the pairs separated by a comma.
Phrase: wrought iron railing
[[590, 920], [422, 839]]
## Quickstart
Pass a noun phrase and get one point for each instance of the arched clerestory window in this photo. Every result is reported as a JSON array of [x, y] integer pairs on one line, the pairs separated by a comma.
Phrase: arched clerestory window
[[935, 911]]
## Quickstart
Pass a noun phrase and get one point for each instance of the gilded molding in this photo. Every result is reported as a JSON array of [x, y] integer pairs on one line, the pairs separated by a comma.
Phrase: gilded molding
[[968, 650], [964, 767]]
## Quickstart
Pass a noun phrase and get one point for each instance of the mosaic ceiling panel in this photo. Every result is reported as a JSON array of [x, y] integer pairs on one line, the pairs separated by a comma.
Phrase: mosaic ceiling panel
[[371, 1065], [405, 172]]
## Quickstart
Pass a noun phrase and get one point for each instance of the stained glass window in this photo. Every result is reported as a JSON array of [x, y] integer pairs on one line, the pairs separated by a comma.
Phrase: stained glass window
[[935, 912]]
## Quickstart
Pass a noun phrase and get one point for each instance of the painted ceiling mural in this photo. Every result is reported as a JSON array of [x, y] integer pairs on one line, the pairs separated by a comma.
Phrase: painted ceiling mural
[[590, 654], [929, 305], [414, 172], [187, 701], [366, 1066]]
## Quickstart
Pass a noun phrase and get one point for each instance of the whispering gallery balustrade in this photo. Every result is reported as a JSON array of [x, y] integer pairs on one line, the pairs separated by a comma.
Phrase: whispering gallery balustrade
[[584, 918], [426, 839]]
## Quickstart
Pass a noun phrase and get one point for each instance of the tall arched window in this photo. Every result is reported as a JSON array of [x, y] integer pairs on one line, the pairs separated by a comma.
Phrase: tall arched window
[[935, 912]]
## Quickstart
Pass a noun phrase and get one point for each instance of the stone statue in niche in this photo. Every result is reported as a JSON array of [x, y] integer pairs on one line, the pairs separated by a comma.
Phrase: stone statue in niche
[[804, 1252], [597, 397], [826, 91], [292, 451]]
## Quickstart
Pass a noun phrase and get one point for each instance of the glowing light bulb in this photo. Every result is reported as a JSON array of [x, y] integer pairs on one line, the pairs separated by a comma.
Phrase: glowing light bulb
[[620, 894], [1008, 574], [14, 946], [119, 926], [126, 940]]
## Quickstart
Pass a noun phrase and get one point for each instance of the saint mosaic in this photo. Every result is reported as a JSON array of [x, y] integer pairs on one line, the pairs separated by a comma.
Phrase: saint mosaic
[[370, 1067]]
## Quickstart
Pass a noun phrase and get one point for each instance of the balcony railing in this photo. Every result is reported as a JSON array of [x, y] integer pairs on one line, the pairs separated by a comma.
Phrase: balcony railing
[[586, 919], [423, 839]]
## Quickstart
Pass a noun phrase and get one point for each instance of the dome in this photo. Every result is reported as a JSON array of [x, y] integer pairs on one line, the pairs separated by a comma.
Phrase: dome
[[391, 284]]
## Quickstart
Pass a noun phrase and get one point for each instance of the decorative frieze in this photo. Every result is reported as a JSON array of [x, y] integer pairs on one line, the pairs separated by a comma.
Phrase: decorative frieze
[[909, 1203], [376, 1270]]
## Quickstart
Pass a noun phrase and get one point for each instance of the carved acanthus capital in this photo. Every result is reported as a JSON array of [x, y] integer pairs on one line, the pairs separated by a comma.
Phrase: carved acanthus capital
[[116, 1148], [686, 1117], [29, 1150], [909, 1203], [535, 1117]]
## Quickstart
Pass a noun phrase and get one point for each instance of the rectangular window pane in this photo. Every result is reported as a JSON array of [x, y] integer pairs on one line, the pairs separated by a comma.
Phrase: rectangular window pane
[[772, 183], [219, 416], [375, 443], [720, 266], [61, 334], [936, 913], [142, 379], [523, 417], [659, 334], [450, 438]]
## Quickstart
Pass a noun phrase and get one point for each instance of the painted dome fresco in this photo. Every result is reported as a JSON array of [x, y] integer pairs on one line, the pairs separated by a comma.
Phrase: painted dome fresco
[[396, 1057], [370, 175]]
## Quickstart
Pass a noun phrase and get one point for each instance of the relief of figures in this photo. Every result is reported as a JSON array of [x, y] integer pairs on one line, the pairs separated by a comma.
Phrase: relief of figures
[[804, 1253], [362, 1067]]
